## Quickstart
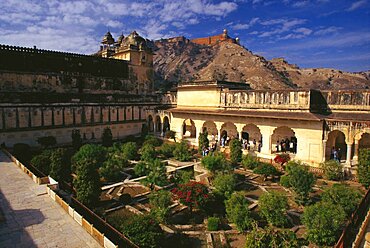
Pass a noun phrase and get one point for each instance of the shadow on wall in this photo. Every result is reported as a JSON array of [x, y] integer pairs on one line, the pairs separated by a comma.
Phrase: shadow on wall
[[13, 224]]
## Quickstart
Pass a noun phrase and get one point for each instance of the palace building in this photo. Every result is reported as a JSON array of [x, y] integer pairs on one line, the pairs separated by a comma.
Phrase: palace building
[[48, 93]]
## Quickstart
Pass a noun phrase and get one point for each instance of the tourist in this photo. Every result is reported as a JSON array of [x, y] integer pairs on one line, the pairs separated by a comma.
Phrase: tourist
[[277, 145]]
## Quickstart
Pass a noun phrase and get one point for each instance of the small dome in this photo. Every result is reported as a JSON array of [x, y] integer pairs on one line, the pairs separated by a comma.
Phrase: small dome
[[225, 31], [120, 38], [134, 39], [108, 38]]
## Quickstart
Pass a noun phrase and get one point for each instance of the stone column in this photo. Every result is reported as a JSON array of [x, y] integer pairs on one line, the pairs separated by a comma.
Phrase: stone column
[[324, 150], [355, 155], [266, 139], [154, 125], [218, 126], [198, 129], [348, 158]]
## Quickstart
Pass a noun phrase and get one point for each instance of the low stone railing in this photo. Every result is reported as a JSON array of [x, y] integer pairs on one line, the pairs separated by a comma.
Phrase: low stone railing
[[36, 179]]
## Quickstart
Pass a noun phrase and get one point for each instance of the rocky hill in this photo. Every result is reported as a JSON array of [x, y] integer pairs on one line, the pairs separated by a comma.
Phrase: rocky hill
[[179, 60]]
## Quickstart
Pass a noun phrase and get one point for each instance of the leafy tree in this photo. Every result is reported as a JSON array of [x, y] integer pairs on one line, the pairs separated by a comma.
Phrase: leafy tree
[[344, 196], [235, 151], [76, 139], [249, 162], [266, 170], [154, 141], [225, 184], [300, 180], [238, 212], [203, 141], [143, 230], [112, 167], [60, 163], [87, 182], [333, 170], [160, 200], [193, 194], [167, 150], [213, 223], [94, 154], [324, 221], [214, 163], [156, 174], [148, 153], [22, 152], [364, 167], [42, 161], [47, 141], [141, 169], [107, 137], [129, 150], [182, 152], [269, 237], [273, 206]]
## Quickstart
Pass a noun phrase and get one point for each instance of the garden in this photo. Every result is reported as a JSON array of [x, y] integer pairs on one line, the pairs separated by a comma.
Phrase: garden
[[160, 193]]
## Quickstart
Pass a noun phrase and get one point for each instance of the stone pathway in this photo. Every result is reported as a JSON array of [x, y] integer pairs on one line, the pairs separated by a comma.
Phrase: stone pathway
[[30, 217]]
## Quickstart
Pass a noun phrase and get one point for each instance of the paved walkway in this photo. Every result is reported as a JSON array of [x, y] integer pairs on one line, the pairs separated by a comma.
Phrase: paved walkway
[[29, 218]]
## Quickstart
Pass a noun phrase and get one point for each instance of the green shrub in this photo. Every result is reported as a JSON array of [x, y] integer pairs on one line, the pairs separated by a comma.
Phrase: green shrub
[[148, 152], [249, 162], [225, 184], [182, 152], [266, 170], [141, 169], [156, 174], [235, 151], [76, 139], [215, 162], [183, 176], [273, 206], [167, 150], [143, 230], [344, 196], [333, 170], [364, 167], [95, 154], [284, 181], [154, 141], [42, 161], [238, 212], [129, 150], [60, 165], [324, 222], [300, 180], [213, 223]]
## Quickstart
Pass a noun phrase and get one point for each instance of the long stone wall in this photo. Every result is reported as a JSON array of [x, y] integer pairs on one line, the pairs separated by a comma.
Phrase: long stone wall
[[24, 123]]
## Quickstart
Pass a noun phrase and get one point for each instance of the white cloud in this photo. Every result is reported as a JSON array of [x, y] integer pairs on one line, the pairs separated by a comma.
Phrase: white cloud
[[283, 26], [356, 5], [300, 4], [244, 26], [328, 30]]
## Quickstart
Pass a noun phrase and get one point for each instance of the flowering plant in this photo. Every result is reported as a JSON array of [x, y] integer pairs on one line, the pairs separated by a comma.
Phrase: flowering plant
[[192, 194], [282, 158]]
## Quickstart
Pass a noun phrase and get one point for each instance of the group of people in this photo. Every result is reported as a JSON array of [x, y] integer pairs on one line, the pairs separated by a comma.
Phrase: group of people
[[336, 154], [211, 148], [286, 145], [254, 145]]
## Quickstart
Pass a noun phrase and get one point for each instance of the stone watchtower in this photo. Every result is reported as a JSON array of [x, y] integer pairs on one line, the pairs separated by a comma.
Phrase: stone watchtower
[[134, 49], [107, 45]]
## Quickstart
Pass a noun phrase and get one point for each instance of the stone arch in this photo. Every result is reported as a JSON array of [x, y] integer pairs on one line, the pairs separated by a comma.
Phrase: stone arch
[[166, 124], [336, 141], [283, 139], [228, 130], [188, 129], [251, 132], [158, 124], [211, 128], [150, 123]]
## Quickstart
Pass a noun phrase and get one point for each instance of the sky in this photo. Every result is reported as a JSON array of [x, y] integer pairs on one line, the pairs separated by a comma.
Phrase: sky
[[309, 33]]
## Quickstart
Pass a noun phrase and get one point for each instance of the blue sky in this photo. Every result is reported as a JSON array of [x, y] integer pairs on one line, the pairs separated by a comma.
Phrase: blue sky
[[310, 33]]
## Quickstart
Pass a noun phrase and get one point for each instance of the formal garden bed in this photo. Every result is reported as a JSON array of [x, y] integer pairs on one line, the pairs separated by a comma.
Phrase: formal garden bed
[[161, 193]]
